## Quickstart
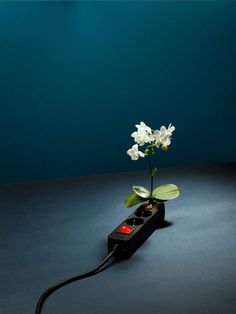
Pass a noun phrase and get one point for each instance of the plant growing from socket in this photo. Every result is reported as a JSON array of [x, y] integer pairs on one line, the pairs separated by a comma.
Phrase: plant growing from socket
[[152, 140]]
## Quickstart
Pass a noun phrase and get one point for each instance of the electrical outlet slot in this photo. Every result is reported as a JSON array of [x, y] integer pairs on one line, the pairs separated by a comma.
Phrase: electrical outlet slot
[[135, 221], [143, 213]]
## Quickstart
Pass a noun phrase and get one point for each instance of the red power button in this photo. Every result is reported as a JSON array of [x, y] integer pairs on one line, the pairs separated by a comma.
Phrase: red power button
[[125, 229]]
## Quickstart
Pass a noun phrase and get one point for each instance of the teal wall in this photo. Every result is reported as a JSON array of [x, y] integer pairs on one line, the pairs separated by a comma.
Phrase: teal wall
[[76, 76]]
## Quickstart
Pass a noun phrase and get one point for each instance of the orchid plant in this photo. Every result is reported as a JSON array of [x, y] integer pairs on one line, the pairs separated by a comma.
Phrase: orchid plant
[[151, 141]]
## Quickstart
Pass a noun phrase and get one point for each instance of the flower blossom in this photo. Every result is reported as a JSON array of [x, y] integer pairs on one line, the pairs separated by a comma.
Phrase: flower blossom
[[155, 138], [134, 153], [143, 135], [163, 137], [143, 127]]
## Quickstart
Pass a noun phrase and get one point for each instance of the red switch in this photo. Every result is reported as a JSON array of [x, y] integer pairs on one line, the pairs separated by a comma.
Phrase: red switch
[[125, 229]]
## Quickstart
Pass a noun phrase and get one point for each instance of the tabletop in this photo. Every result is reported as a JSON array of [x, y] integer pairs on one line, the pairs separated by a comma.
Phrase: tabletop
[[53, 230]]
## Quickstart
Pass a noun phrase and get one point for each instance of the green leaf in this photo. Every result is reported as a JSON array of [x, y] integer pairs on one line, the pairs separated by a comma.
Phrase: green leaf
[[166, 192], [141, 191], [133, 199]]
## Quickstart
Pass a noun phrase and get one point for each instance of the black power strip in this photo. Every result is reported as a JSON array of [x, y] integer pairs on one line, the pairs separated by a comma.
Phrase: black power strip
[[122, 242], [134, 231]]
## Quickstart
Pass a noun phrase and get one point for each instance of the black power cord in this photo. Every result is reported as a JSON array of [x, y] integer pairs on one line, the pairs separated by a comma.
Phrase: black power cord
[[52, 289]]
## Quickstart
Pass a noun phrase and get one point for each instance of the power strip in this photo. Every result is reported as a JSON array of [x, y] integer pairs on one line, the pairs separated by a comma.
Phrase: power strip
[[122, 242], [135, 229]]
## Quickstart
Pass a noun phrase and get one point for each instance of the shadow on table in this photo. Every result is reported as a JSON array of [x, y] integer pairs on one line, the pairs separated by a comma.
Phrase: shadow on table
[[166, 224]]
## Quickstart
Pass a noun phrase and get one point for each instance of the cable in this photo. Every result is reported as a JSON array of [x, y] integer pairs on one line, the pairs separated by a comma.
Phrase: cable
[[52, 289]]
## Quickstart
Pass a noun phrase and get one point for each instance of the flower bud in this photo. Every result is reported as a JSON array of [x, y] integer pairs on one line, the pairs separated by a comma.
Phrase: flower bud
[[154, 171], [164, 147]]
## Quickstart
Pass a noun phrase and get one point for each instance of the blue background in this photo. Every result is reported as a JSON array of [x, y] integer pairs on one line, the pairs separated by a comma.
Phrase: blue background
[[76, 77]]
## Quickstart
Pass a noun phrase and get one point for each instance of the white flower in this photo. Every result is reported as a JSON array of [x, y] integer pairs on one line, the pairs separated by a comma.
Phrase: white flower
[[143, 127], [155, 137], [164, 135], [143, 135], [134, 153]]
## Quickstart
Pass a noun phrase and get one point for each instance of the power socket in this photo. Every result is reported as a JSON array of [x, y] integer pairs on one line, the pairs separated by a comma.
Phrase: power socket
[[135, 229]]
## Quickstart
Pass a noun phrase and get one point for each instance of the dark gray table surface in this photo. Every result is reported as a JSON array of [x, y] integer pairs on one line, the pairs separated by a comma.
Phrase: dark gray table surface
[[53, 230]]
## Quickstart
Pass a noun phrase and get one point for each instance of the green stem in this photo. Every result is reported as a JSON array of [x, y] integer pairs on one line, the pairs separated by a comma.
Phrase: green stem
[[151, 185], [150, 169]]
